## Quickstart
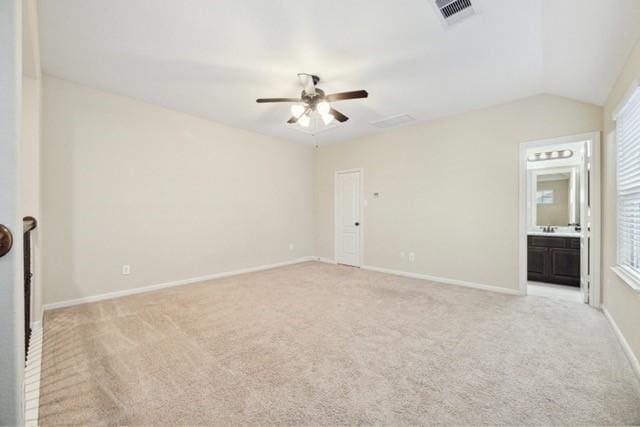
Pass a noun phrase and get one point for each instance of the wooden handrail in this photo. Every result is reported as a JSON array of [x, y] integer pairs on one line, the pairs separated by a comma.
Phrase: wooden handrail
[[29, 223]]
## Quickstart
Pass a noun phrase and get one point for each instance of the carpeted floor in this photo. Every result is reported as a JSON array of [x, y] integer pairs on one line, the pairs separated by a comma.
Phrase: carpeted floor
[[315, 344]]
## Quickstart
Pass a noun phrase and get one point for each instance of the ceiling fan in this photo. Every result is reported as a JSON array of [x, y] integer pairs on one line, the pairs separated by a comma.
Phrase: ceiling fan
[[313, 99]]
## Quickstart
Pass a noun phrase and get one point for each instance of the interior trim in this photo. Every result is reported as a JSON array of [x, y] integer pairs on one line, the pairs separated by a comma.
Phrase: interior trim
[[635, 84], [628, 279], [635, 363], [149, 288], [444, 280]]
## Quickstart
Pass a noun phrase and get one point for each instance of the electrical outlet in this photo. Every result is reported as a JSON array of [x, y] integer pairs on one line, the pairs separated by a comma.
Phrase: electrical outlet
[[126, 270], [402, 255], [412, 256], [291, 246]]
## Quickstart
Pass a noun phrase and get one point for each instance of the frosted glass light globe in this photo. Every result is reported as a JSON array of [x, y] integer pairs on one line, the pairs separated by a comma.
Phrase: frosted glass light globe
[[304, 120], [323, 107], [297, 110]]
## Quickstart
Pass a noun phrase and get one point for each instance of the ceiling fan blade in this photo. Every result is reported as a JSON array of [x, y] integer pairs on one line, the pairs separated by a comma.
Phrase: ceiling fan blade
[[355, 94], [263, 100], [338, 115], [306, 80]]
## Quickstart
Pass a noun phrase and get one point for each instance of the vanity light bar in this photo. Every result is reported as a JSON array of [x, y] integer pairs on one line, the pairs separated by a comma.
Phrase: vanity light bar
[[550, 155]]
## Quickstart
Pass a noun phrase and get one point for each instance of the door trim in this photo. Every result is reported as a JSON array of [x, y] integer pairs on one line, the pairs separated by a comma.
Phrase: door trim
[[336, 230], [594, 139]]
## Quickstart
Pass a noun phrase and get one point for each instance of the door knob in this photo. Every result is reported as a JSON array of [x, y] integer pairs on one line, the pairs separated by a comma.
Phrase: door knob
[[357, 224], [6, 240]]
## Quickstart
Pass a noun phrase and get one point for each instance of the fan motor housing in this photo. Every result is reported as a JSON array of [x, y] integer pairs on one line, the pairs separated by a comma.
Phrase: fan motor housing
[[312, 100]]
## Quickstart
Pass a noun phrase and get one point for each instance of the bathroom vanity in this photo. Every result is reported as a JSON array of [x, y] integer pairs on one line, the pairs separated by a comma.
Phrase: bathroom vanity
[[554, 258]]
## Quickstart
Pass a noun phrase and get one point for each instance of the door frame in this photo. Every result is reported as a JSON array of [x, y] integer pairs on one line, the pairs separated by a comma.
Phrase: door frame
[[11, 264], [593, 138], [336, 231]]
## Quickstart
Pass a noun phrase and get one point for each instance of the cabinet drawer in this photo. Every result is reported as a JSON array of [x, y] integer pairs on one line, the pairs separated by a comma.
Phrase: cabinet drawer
[[547, 242]]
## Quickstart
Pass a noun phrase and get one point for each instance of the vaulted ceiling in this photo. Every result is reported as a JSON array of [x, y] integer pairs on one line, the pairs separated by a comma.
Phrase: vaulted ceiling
[[213, 58]]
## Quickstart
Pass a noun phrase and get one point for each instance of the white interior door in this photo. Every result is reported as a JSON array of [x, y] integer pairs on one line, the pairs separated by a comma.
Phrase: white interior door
[[11, 274], [347, 219]]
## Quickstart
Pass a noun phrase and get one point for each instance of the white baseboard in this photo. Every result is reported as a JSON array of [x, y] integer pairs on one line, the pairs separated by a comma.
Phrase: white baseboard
[[149, 288], [635, 364], [444, 280], [182, 282]]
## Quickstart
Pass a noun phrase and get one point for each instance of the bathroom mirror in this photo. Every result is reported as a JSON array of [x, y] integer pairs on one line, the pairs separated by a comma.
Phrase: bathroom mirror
[[556, 197]]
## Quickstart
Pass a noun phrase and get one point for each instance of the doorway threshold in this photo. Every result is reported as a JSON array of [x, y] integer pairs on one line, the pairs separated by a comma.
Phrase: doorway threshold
[[558, 292]]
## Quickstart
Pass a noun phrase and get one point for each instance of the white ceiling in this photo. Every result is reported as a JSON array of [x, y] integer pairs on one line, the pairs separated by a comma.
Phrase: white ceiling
[[213, 58]]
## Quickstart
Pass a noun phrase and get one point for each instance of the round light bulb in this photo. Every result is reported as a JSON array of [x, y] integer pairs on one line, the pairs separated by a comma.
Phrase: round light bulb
[[304, 120], [327, 118], [323, 107], [297, 110], [555, 154]]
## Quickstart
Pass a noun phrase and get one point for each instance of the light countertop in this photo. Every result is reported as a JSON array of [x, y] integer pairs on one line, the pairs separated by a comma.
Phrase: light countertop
[[555, 234]]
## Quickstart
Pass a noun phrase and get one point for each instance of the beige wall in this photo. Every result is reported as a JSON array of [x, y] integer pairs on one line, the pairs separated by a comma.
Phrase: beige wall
[[448, 188], [556, 213], [622, 303], [30, 174], [171, 195]]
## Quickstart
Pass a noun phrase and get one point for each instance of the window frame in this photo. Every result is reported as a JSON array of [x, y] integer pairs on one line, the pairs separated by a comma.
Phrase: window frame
[[629, 275]]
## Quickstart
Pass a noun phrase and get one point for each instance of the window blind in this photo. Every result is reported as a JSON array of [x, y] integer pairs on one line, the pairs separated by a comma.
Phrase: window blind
[[628, 185]]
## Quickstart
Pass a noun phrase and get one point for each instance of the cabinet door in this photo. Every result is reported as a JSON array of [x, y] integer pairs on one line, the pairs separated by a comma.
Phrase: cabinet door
[[565, 266], [536, 263]]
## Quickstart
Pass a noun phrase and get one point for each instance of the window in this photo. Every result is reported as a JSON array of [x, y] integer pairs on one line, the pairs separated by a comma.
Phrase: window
[[628, 186], [544, 197]]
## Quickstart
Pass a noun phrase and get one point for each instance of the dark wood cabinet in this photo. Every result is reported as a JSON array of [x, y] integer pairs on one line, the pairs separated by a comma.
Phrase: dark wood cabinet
[[553, 259]]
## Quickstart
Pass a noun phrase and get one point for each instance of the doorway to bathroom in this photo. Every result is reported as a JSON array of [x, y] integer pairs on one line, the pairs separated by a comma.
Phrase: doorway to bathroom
[[560, 218]]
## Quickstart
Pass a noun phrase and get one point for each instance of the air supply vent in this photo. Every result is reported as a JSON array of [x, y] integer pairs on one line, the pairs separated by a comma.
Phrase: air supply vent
[[393, 121], [453, 11]]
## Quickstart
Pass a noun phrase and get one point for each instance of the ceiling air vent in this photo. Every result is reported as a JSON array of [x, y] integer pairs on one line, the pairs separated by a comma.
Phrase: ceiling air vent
[[453, 11], [393, 121]]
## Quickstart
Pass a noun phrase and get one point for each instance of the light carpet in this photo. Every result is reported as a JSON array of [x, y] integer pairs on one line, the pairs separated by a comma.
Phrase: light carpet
[[314, 343]]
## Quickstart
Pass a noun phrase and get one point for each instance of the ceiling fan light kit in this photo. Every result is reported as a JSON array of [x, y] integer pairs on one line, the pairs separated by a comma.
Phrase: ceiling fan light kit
[[297, 110], [304, 120], [327, 118], [313, 99]]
